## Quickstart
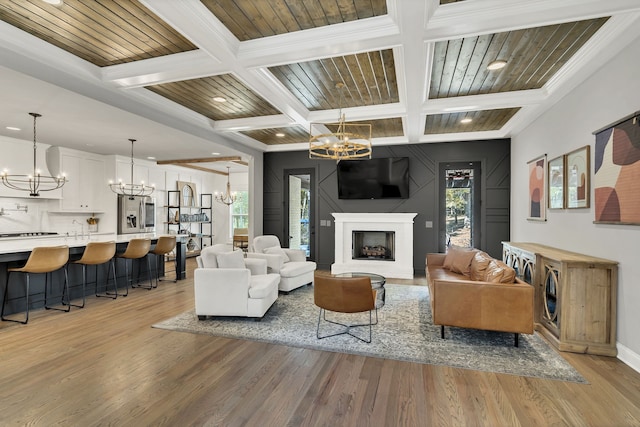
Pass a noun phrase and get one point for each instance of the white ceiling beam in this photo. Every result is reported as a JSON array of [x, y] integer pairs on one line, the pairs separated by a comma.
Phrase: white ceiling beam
[[411, 64], [252, 123], [195, 22], [490, 101], [363, 35], [370, 112], [471, 18], [163, 69]]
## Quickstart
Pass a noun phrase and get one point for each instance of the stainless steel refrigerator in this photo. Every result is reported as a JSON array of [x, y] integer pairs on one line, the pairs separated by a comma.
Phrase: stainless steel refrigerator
[[136, 214]]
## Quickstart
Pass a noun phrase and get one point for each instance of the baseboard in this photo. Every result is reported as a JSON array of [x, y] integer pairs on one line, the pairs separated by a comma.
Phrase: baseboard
[[629, 357]]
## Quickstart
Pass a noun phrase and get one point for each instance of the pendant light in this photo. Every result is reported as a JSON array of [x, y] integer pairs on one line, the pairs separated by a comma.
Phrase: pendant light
[[131, 190], [36, 182], [227, 198]]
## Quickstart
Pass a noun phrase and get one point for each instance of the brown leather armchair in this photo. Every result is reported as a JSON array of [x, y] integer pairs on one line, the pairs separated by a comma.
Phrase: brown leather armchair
[[344, 295]]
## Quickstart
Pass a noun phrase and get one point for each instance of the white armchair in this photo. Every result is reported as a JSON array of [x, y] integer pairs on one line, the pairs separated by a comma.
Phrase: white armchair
[[226, 284], [291, 264]]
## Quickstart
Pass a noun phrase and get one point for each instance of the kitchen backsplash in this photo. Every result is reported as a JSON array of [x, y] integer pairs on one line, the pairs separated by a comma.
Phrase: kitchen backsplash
[[37, 218]]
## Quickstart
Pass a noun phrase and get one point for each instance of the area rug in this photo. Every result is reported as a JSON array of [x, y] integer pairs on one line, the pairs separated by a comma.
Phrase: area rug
[[405, 332]]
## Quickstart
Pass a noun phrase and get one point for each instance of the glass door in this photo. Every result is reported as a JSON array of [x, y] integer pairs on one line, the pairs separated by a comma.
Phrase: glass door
[[459, 205], [300, 229]]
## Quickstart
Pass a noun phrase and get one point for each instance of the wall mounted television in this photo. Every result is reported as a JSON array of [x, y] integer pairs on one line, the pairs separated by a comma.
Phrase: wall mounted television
[[383, 178]]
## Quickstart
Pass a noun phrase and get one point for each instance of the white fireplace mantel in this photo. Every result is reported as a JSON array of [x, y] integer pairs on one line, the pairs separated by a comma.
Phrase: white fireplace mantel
[[400, 223]]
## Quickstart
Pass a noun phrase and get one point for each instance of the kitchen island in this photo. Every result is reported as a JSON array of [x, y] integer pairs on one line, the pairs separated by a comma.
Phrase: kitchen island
[[15, 251]]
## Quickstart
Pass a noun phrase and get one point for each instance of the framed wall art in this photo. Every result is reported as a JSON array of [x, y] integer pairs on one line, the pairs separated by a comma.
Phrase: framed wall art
[[556, 183], [617, 172], [577, 176], [537, 188], [188, 193]]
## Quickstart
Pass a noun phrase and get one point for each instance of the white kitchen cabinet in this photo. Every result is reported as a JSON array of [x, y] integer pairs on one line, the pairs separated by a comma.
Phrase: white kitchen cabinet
[[86, 186]]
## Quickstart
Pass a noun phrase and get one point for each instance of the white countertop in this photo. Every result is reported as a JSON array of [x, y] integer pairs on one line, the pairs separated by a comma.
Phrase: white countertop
[[23, 244]]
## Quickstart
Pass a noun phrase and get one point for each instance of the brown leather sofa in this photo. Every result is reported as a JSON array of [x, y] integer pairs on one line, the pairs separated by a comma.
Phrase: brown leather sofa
[[481, 293]]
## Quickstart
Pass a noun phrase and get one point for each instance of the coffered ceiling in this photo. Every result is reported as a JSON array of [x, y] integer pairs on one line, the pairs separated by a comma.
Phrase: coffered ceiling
[[254, 74]]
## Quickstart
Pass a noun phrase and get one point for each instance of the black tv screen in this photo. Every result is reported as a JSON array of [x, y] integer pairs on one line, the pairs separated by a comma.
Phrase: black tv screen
[[386, 178]]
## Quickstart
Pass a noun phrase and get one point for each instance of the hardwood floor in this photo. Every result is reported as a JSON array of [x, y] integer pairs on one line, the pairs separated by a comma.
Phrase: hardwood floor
[[105, 365]]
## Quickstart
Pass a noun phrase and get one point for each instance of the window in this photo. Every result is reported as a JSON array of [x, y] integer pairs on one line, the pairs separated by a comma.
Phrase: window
[[239, 211]]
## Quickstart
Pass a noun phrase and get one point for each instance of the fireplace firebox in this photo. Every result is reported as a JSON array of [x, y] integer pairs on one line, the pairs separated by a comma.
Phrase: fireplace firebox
[[378, 245]]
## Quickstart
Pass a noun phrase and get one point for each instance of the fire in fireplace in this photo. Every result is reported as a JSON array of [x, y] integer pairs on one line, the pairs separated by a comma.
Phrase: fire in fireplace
[[378, 245]]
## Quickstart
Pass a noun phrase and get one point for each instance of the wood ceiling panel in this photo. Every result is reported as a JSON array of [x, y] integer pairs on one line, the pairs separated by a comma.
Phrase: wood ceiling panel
[[384, 128], [292, 135], [369, 79], [253, 19], [198, 94], [533, 56], [105, 32], [482, 121]]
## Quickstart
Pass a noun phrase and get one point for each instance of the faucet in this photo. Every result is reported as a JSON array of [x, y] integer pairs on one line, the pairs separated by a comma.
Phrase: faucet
[[75, 232]]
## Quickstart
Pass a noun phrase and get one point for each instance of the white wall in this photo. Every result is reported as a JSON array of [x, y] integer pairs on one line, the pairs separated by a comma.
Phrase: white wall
[[611, 93]]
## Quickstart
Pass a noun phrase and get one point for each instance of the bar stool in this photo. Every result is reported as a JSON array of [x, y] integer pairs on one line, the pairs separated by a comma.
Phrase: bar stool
[[164, 245], [98, 253], [136, 249], [41, 260]]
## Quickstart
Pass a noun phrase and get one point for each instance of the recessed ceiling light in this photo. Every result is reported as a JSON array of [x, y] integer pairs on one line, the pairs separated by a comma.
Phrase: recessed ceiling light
[[219, 99], [151, 158], [466, 120], [280, 135], [13, 128], [53, 2], [215, 154], [497, 64]]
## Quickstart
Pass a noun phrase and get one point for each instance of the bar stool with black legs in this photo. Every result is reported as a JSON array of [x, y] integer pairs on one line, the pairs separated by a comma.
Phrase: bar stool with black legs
[[136, 249], [98, 253], [42, 260], [164, 245]]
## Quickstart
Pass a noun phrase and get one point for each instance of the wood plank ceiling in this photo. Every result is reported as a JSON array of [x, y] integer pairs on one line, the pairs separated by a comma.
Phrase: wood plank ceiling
[[272, 84]]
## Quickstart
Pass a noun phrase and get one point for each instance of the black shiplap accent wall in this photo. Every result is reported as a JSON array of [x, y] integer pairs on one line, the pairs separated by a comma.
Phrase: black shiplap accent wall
[[494, 156]]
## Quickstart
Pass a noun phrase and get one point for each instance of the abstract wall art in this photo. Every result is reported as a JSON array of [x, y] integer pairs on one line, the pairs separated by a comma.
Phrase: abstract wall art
[[617, 172], [537, 189], [578, 171], [556, 183]]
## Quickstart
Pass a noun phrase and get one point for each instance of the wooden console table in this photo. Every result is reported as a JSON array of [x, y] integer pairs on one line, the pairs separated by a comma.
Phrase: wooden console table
[[576, 296]]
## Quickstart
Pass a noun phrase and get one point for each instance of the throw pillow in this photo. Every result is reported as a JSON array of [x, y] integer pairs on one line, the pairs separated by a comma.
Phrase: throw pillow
[[479, 265], [499, 272], [233, 259], [209, 258], [274, 250], [451, 254], [459, 259]]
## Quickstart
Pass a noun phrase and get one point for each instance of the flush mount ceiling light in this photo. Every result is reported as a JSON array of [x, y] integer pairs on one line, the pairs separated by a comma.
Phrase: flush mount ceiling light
[[466, 120], [280, 135], [343, 141], [13, 128], [497, 64], [53, 2], [35, 182], [227, 198], [131, 189], [219, 99]]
